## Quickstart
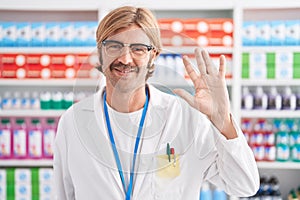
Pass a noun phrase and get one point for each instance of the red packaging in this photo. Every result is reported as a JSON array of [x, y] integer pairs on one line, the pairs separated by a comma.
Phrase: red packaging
[[174, 24], [37, 66], [63, 66], [86, 64], [13, 66]]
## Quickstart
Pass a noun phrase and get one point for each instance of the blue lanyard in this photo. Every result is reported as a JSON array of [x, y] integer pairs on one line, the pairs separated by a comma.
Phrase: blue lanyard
[[137, 141]]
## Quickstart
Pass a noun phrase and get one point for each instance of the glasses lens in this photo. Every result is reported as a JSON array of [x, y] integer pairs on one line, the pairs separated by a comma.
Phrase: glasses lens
[[112, 48], [139, 50]]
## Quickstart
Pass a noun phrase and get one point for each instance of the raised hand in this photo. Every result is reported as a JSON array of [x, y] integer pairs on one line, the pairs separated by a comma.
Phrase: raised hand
[[211, 95]]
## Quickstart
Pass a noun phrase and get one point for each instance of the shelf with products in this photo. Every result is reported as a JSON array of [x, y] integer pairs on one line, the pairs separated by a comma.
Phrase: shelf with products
[[278, 165], [31, 113], [270, 114], [26, 162]]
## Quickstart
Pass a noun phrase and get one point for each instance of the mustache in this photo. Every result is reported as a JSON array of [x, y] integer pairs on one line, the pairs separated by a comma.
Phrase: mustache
[[122, 67]]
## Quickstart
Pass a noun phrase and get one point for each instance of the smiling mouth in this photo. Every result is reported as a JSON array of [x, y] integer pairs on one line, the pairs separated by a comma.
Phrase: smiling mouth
[[125, 70]]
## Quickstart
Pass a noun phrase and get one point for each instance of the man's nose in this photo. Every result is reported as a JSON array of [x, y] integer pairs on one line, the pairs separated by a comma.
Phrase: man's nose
[[125, 56]]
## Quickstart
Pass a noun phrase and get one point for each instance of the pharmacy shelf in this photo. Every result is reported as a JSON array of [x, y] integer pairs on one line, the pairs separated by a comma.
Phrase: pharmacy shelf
[[31, 113], [26, 163], [278, 165], [274, 4], [271, 48], [49, 82], [270, 82], [48, 50], [191, 49], [270, 114]]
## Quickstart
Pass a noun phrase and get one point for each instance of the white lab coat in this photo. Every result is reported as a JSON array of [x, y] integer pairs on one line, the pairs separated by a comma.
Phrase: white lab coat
[[85, 167]]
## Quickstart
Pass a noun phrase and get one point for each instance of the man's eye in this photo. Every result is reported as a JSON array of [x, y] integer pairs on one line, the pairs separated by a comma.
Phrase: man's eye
[[138, 49], [115, 47]]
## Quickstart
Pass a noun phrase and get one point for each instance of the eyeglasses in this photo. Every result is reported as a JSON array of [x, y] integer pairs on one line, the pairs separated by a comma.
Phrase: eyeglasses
[[115, 49]]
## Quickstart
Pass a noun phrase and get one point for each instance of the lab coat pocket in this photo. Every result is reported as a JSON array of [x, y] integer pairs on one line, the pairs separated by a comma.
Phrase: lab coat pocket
[[168, 168], [166, 178]]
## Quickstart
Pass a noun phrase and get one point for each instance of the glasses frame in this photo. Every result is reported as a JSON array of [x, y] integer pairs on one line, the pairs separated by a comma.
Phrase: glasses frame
[[130, 45]]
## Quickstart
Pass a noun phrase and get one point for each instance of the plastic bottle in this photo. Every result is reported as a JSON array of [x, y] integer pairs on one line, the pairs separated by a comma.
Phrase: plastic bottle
[[48, 137], [5, 138], [25, 100], [274, 99], [57, 100], [247, 99], [298, 99], [45, 100], [288, 99], [205, 193], [260, 99], [35, 139], [68, 99], [219, 194], [16, 100], [19, 139], [35, 101], [7, 101]]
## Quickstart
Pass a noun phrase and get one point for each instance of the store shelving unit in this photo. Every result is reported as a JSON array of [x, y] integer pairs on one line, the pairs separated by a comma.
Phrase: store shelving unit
[[239, 11]]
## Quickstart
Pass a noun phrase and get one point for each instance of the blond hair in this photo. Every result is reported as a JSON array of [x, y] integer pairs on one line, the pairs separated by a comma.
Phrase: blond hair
[[125, 17]]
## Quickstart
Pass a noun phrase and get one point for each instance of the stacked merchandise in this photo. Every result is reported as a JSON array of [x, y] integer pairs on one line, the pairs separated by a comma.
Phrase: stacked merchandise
[[27, 138], [26, 183], [271, 33], [273, 139], [197, 32]]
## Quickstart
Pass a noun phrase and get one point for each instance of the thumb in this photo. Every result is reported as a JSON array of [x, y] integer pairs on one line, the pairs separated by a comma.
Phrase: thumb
[[185, 95]]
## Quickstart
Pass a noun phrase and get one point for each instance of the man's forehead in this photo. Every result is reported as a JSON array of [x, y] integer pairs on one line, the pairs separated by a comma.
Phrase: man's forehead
[[130, 35]]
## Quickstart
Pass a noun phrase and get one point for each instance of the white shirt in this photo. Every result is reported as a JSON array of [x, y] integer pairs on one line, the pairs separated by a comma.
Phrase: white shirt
[[85, 166]]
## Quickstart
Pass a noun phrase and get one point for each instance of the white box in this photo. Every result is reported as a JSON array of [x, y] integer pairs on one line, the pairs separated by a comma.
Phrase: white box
[[278, 32], [22, 176], [38, 34], [263, 33], [9, 34], [249, 33], [23, 34], [53, 34], [292, 35]]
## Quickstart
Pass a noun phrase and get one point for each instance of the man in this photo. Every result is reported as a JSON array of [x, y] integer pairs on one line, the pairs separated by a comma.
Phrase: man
[[131, 141]]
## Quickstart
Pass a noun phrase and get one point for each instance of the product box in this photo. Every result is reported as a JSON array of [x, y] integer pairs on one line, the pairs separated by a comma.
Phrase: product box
[[249, 33], [2, 184], [284, 65], [13, 66], [9, 37], [257, 65], [53, 34], [33, 66], [85, 65], [23, 191], [223, 25], [176, 25], [23, 34], [278, 32], [85, 33], [292, 35], [263, 33], [220, 39], [67, 30], [38, 34], [62, 65], [22, 176]]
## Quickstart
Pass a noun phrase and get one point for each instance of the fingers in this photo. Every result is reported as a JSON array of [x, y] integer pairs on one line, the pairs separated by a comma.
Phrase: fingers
[[189, 69], [204, 62], [222, 69], [200, 62], [185, 95]]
